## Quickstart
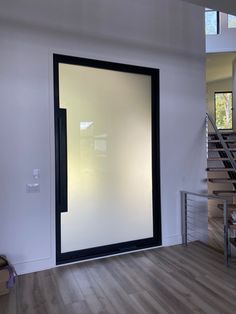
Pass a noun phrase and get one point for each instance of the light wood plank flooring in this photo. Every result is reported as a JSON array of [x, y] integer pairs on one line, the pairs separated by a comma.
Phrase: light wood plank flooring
[[216, 233], [165, 280]]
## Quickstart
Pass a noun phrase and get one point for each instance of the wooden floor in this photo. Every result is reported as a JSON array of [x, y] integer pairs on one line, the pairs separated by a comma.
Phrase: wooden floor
[[216, 233], [165, 280]]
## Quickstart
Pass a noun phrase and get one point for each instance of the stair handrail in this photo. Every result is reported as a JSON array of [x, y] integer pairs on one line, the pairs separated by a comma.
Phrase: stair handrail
[[229, 155]]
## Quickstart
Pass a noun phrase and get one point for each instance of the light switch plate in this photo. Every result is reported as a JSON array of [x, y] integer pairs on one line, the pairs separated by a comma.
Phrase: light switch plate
[[36, 173]]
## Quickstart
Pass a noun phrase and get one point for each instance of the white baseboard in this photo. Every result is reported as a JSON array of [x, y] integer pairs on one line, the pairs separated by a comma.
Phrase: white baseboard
[[47, 263], [172, 240], [33, 266]]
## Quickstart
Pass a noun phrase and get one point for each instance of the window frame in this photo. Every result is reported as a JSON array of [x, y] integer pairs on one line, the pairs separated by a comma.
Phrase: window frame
[[228, 21], [217, 21]]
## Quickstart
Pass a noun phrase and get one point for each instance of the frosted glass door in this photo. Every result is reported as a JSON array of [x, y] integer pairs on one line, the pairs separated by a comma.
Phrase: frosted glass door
[[109, 167]]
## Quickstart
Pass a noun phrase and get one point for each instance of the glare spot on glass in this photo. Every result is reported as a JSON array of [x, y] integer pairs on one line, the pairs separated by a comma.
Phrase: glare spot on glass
[[85, 125]]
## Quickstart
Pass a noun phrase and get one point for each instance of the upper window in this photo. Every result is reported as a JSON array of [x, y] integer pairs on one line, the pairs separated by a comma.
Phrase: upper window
[[231, 21], [211, 22], [223, 110]]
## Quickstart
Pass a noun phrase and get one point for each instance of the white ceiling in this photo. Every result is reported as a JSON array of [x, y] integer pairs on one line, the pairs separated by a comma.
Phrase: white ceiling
[[227, 6], [219, 66], [83, 15]]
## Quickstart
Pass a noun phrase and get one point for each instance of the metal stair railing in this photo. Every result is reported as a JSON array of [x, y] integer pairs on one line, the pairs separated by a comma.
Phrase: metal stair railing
[[186, 214], [221, 139]]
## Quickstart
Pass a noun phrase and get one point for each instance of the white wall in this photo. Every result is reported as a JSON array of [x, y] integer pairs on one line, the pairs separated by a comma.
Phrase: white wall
[[223, 42], [152, 34]]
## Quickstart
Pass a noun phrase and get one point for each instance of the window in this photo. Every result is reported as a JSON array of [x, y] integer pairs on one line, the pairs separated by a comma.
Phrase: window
[[223, 110], [231, 21], [211, 22]]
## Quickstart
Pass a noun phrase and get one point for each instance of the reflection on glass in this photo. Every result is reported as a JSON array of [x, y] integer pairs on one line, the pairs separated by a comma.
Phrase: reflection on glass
[[85, 125], [93, 148], [109, 157]]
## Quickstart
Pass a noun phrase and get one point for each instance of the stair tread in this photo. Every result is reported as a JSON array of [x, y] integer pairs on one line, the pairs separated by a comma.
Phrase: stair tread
[[226, 141], [216, 192], [225, 179], [219, 158], [222, 133], [233, 240], [230, 206], [218, 169], [215, 149], [222, 180], [232, 225]]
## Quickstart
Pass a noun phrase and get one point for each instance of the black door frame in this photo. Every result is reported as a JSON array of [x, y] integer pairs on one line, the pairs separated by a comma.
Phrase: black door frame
[[61, 159]]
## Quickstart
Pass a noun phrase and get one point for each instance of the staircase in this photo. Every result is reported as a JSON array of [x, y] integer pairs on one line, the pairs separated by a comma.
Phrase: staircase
[[222, 179], [221, 174]]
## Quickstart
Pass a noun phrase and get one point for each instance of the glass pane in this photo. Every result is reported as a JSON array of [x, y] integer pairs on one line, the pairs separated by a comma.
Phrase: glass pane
[[231, 21], [109, 157], [223, 110], [211, 23]]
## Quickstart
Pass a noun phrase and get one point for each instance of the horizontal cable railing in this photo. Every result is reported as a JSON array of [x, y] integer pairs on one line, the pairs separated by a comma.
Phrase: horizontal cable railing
[[195, 218]]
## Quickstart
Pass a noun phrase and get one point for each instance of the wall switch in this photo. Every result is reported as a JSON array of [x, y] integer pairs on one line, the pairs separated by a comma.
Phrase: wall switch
[[36, 173], [32, 187]]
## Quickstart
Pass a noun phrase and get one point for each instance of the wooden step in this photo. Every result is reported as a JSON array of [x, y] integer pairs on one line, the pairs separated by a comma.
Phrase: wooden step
[[214, 149], [224, 192], [219, 158], [222, 180], [226, 141], [230, 206], [232, 240], [218, 169], [226, 133]]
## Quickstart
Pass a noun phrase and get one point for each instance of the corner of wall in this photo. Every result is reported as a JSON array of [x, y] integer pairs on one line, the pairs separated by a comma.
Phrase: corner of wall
[[174, 239]]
